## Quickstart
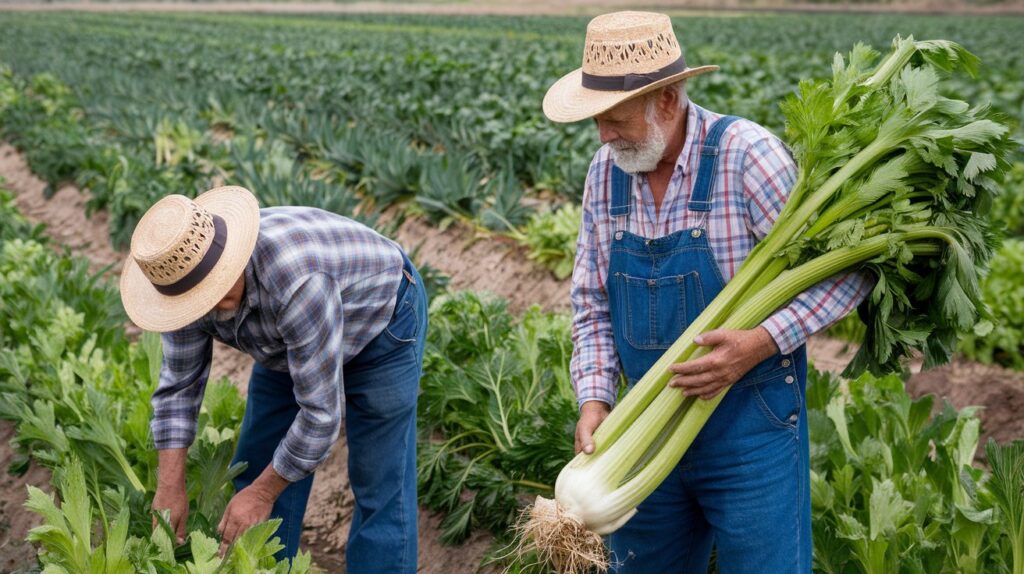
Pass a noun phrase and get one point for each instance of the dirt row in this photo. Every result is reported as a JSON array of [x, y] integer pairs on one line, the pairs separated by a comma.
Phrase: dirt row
[[482, 265]]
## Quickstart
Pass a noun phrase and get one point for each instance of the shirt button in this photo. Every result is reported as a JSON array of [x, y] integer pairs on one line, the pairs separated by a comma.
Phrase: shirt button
[[695, 233], [789, 379], [785, 362]]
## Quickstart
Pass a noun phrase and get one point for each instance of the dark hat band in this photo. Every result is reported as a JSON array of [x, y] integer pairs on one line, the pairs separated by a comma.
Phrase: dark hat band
[[190, 280], [630, 82]]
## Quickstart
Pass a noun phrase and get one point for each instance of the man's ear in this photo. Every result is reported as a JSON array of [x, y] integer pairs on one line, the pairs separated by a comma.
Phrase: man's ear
[[668, 103]]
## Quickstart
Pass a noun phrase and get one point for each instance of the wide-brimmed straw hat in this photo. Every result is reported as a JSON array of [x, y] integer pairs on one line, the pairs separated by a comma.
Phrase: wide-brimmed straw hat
[[186, 255], [626, 54]]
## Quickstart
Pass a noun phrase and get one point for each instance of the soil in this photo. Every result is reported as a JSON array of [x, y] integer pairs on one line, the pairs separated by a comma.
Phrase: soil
[[15, 520], [494, 264], [473, 263], [998, 391]]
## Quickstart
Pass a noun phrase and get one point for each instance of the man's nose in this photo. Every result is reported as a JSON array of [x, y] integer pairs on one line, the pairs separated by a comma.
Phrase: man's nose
[[606, 133]]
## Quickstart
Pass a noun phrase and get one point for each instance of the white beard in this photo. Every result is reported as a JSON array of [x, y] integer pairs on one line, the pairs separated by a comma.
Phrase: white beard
[[644, 156]]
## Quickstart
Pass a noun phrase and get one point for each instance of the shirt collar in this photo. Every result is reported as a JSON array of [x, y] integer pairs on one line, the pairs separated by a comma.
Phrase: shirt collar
[[251, 297], [694, 126]]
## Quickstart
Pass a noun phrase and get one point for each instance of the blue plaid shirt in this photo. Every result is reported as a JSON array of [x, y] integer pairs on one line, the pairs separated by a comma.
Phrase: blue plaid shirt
[[318, 288]]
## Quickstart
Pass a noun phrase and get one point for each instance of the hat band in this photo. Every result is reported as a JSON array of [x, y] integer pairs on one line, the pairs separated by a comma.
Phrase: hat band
[[197, 274], [630, 82]]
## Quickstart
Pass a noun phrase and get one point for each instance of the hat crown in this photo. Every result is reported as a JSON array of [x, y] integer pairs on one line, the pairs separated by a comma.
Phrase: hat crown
[[629, 43], [171, 239]]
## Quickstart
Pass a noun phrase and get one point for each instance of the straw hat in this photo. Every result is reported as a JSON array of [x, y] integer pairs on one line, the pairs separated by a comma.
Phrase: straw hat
[[186, 255], [626, 54]]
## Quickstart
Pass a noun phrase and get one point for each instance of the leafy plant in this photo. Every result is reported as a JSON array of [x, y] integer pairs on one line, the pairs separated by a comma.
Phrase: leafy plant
[[495, 412], [1001, 340], [1007, 488], [551, 236]]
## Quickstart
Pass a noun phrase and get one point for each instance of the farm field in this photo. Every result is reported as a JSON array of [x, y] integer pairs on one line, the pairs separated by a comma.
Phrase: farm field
[[429, 128]]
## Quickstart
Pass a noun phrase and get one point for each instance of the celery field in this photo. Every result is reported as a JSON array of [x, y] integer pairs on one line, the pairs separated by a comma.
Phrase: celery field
[[429, 128]]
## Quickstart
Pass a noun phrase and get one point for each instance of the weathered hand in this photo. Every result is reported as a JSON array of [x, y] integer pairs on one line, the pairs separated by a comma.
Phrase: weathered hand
[[734, 353], [592, 414], [174, 499], [248, 507]]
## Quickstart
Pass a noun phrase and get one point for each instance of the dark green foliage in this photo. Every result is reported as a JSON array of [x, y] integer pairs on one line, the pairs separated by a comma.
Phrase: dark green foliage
[[496, 414]]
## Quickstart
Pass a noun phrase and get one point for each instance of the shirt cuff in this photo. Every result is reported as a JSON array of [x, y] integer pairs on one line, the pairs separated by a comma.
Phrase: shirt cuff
[[291, 468], [595, 388], [786, 330], [178, 436]]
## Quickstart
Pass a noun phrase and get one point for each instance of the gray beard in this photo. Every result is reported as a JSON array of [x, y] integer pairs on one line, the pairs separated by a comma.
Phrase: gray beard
[[219, 315], [644, 156]]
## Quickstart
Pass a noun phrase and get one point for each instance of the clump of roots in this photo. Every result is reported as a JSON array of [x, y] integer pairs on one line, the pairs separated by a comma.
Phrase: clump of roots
[[548, 534]]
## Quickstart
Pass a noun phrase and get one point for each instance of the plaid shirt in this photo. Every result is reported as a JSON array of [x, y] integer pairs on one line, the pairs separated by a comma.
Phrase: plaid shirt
[[755, 175], [311, 274]]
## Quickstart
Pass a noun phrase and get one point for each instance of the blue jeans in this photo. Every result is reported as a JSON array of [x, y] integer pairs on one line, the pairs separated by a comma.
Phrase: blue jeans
[[381, 387]]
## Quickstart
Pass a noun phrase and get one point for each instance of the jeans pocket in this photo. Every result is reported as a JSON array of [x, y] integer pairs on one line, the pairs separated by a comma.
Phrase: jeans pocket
[[779, 401], [655, 311], [404, 325]]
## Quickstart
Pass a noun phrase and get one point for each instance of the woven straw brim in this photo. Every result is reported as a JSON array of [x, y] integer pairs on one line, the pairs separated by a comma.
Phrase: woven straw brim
[[568, 101], [154, 311]]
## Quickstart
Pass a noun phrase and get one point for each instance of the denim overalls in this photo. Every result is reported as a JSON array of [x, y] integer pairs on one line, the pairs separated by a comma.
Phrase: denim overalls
[[743, 486]]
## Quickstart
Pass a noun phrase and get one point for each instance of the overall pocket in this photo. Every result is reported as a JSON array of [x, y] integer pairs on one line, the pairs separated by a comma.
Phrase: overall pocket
[[779, 399], [657, 311]]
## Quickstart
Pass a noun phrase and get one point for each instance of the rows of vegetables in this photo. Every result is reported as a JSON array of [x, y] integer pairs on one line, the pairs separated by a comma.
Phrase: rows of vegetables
[[895, 486], [359, 114], [372, 112], [439, 114]]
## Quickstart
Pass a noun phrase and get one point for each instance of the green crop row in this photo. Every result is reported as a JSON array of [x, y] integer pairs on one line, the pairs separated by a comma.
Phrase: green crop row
[[441, 114]]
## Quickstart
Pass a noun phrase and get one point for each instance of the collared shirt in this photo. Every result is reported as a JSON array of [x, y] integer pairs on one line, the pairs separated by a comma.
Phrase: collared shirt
[[318, 288], [755, 174]]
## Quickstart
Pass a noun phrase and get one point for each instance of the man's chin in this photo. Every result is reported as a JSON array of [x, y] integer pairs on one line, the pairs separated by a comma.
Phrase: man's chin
[[634, 163], [634, 168]]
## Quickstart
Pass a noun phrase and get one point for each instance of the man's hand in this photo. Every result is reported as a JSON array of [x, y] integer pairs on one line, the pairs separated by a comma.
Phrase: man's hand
[[174, 499], [250, 506], [170, 490], [592, 415], [734, 354]]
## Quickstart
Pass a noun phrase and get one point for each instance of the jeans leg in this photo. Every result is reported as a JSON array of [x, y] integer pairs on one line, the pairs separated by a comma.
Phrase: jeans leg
[[754, 487], [381, 389], [270, 409], [667, 535]]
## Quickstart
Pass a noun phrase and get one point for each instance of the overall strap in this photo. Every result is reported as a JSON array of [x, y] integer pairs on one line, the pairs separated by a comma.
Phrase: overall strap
[[622, 192], [700, 199]]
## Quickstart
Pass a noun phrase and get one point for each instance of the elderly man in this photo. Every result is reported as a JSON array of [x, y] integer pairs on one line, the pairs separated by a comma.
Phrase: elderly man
[[674, 202], [334, 315]]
